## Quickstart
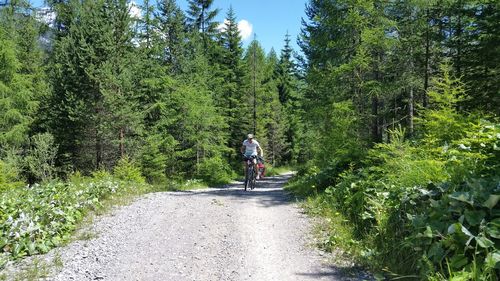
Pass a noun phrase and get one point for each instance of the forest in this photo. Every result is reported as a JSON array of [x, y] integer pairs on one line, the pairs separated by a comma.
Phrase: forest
[[388, 112]]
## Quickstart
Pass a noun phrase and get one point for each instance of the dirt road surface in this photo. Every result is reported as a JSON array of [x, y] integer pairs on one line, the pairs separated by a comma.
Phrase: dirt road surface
[[212, 234]]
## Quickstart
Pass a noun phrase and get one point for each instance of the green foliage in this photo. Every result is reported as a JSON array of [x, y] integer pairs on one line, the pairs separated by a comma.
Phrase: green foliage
[[37, 218], [9, 176], [425, 207], [214, 171], [127, 170], [442, 122], [40, 158], [94, 111], [153, 160]]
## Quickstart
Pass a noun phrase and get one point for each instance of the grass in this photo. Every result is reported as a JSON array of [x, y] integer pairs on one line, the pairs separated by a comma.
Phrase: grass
[[274, 171], [332, 232], [36, 270]]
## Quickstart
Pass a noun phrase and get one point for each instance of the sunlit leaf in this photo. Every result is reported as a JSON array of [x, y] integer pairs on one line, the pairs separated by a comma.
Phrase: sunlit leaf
[[492, 201], [484, 242], [462, 197], [492, 260]]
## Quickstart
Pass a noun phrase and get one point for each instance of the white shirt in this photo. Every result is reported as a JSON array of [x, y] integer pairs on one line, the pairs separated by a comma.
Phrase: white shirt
[[251, 147]]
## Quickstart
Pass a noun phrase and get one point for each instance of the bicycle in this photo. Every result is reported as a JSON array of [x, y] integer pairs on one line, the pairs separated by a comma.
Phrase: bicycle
[[250, 177]]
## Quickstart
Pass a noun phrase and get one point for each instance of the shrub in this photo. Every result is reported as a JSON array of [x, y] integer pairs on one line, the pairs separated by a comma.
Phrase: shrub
[[37, 218], [153, 160], [8, 176], [214, 171], [10, 171], [40, 158], [126, 170], [426, 208]]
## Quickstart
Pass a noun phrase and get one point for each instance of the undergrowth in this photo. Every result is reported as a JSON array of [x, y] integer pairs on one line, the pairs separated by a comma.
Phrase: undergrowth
[[418, 209]]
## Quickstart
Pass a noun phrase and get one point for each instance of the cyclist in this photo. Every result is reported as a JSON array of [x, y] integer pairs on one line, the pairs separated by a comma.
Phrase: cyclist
[[250, 148]]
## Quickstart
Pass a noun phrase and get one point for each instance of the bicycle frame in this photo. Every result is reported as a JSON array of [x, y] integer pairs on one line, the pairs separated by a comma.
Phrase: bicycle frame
[[250, 176]]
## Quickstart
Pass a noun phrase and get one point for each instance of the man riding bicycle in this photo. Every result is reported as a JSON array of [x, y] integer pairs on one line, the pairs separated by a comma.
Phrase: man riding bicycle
[[249, 150]]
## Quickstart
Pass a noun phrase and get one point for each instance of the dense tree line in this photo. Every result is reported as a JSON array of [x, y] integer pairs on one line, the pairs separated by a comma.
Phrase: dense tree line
[[402, 103], [173, 90], [380, 56]]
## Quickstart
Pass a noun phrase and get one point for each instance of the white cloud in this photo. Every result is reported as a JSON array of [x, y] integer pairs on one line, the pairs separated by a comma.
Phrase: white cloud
[[135, 11], [46, 15], [222, 26], [245, 29]]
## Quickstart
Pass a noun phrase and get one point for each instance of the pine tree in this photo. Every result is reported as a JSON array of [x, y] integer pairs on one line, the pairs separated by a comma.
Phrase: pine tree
[[289, 96], [22, 80], [232, 73], [201, 17], [172, 26], [96, 120]]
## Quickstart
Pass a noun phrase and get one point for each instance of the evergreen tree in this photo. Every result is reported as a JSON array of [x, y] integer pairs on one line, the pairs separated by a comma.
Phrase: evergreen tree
[[92, 82], [232, 73], [22, 80], [201, 18], [289, 96], [172, 25]]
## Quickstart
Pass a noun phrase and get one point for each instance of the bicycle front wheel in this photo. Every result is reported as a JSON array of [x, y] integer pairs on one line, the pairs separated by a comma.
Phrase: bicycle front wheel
[[249, 178]]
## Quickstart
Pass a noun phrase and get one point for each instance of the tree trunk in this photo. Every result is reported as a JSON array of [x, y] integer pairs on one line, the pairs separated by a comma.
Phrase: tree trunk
[[375, 121], [410, 112], [122, 143], [458, 40], [427, 55]]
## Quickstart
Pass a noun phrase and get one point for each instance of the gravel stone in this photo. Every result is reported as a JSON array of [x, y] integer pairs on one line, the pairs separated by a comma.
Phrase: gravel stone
[[212, 234]]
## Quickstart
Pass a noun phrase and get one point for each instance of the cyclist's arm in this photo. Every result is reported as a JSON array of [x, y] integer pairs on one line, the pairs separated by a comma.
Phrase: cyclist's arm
[[242, 149], [261, 151]]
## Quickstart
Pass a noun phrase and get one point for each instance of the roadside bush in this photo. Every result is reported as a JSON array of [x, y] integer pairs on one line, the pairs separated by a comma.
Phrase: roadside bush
[[9, 176], [11, 168], [214, 171], [126, 170], [155, 156], [40, 158], [426, 209]]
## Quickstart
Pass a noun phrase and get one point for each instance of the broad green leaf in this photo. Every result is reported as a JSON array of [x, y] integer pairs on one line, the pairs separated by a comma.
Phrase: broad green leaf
[[492, 260], [474, 217], [492, 201], [458, 261], [462, 197], [428, 232], [466, 231], [436, 252], [453, 228], [484, 242], [493, 231]]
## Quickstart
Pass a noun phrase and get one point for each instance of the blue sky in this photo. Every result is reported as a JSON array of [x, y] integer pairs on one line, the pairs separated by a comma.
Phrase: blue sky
[[269, 19]]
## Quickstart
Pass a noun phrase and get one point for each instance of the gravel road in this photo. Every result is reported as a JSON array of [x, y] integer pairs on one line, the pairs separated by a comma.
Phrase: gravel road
[[212, 234]]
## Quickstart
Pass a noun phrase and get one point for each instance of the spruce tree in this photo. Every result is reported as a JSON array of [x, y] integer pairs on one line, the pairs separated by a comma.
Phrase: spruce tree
[[201, 18], [172, 25], [232, 73], [22, 78], [96, 121]]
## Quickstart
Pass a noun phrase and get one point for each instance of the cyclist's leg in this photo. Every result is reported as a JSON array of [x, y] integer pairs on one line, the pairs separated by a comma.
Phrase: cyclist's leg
[[255, 168]]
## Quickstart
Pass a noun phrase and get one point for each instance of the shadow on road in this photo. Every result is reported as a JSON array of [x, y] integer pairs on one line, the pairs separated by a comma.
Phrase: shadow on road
[[349, 273], [268, 192]]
